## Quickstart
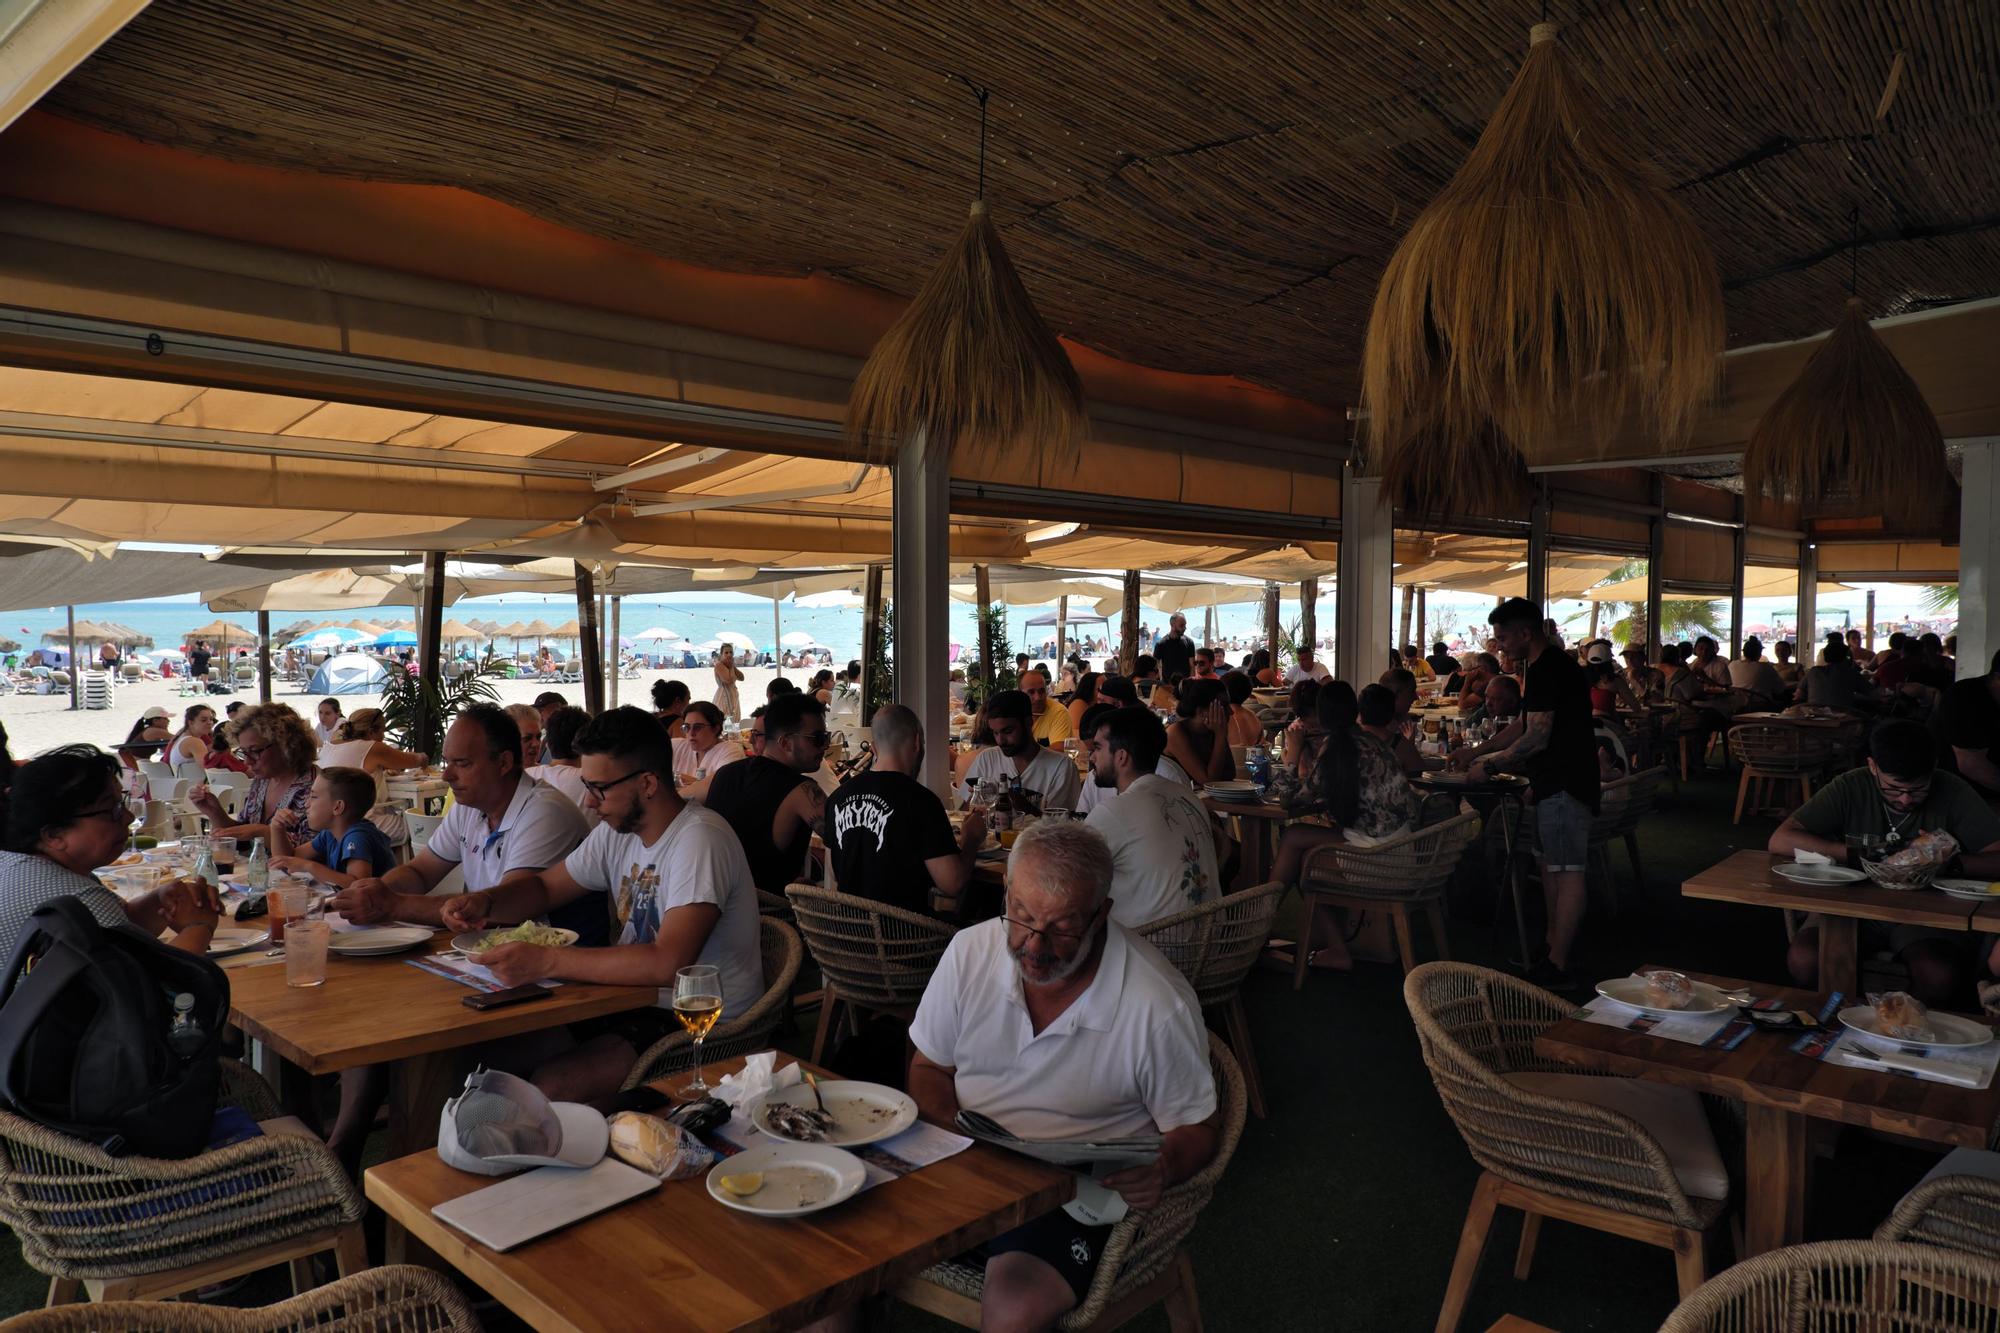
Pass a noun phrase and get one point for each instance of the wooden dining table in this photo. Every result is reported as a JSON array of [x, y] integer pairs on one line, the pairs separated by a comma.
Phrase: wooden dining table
[[1780, 1090], [373, 1011], [675, 1259], [1747, 877], [1261, 823]]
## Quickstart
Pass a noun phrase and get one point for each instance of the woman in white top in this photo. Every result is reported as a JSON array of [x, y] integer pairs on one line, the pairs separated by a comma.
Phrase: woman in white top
[[189, 747], [358, 743], [329, 720], [700, 750], [726, 676]]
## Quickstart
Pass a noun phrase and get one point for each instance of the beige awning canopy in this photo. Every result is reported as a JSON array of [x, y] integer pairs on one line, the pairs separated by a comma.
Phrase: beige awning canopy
[[1758, 581]]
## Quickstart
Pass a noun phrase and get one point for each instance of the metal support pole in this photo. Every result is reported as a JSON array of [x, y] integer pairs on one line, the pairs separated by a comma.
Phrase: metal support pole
[[1869, 633], [1805, 649], [1062, 638], [1737, 553], [778, 636], [1128, 625], [1363, 608], [1656, 559], [1403, 622], [263, 657], [76, 667], [1538, 548], [593, 653], [871, 635], [430, 625], [982, 576], [617, 653], [921, 550]]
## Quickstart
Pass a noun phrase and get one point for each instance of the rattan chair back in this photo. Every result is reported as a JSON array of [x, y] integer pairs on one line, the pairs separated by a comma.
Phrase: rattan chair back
[[869, 953], [1216, 944], [401, 1298], [783, 954], [1476, 1026], [1414, 865], [1955, 1212], [81, 1213], [1847, 1286], [1772, 749]]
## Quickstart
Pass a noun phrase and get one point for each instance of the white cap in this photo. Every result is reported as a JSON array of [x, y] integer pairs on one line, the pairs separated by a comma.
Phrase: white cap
[[499, 1122], [1599, 652]]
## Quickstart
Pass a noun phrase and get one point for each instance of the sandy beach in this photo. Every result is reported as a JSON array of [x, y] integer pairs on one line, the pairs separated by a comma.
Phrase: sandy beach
[[37, 722]]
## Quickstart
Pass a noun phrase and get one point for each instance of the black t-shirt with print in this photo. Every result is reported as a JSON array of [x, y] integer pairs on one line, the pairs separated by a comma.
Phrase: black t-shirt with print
[[747, 794], [884, 827], [1556, 685]]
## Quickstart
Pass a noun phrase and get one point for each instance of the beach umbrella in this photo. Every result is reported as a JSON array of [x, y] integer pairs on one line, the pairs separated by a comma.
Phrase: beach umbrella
[[569, 629], [452, 632], [709, 646], [333, 636], [396, 638], [741, 640], [540, 629], [162, 654], [840, 599], [798, 638], [221, 631], [657, 634]]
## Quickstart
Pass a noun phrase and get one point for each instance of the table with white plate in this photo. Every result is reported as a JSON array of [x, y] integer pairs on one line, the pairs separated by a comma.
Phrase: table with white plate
[[1260, 822], [1843, 897], [1780, 1089]]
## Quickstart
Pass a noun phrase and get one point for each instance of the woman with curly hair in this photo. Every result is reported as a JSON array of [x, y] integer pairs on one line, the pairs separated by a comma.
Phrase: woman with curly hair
[[280, 750]]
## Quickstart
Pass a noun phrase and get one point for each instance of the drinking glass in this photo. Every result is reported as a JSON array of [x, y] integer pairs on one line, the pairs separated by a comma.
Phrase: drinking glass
[[305, 951], [225, 856], [287, 899], [697, 1004], [1058, 813]]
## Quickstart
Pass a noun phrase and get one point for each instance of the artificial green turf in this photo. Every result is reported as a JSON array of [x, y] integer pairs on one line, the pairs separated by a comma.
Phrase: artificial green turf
[[1343, 1208]]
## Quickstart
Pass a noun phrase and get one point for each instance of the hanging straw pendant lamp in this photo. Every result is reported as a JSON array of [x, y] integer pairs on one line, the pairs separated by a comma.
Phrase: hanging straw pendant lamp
[[970, 363], [1851, 435], [1554, 282]]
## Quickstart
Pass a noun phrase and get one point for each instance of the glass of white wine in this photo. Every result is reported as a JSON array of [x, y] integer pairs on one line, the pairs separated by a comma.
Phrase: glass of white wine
[[697, 1004]]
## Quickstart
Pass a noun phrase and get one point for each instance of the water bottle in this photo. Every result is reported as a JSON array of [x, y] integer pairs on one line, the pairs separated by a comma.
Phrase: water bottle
[[257, 870], [204, 870], [184, 1034], [1258, 760]]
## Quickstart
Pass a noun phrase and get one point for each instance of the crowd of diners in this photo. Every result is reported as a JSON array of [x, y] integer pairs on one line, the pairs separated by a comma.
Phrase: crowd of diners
[[653, 832]]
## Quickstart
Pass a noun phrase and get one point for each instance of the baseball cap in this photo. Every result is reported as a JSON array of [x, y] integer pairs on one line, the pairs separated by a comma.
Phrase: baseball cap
[[1599, 652], [499, 1122], [157, 711]]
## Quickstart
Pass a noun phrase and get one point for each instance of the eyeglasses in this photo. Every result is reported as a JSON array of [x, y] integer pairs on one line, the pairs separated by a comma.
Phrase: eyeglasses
[[1048, 934], [117, 812], [1918, 790], [249, 754], [816, 737], [598, 789], [692, 725]]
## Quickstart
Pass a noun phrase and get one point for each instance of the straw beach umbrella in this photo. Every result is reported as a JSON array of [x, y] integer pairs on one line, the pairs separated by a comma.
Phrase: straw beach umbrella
[[222, 632], [969, 364], [1553, 282]]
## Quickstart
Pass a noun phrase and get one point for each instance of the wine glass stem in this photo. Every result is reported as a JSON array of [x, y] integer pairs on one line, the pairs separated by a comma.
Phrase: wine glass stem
[[698, 1081]]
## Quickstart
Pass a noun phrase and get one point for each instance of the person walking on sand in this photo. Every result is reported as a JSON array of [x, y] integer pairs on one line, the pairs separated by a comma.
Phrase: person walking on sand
[[726, 676]]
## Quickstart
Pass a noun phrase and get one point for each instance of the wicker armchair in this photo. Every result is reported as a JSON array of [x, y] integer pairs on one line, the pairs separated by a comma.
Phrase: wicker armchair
[[1834, 1286], [1404, 873], [398, 1299], [1955, 1212], [1214, 946], [136, 1228], [1144, 1260], [871, 956], [748, 1031], [1775, 757], [1621, 806], [1548, 1156]]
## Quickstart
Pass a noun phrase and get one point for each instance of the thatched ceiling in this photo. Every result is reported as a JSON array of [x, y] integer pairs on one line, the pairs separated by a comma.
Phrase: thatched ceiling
[[1201, 188]]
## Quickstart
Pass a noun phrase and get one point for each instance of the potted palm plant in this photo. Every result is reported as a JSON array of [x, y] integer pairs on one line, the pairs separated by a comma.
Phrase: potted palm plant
[[407, 697]]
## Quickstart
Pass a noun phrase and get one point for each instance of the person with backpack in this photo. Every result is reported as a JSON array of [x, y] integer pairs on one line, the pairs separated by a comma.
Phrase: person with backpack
[[65, 816]]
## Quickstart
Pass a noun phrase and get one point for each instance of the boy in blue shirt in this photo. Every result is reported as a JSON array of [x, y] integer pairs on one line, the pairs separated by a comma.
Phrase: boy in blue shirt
[[347, 847]]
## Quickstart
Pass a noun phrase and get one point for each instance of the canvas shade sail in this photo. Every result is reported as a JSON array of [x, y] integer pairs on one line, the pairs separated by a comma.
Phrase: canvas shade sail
[[1758, 581]]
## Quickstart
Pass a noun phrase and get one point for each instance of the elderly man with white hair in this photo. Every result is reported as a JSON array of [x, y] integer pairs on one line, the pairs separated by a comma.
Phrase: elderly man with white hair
[[1058, 1023]]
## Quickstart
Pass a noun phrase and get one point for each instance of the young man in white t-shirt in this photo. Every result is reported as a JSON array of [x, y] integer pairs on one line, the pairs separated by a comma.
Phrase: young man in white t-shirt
[[1091, 794], [1058, 1023], [1016, 753], [681, 895], [1162, 841]]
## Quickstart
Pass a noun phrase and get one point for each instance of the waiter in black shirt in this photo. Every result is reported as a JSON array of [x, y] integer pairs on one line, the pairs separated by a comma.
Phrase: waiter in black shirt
[[1174, 655], [888, 833], [770, 799], [1967, 726], [1554, 748]]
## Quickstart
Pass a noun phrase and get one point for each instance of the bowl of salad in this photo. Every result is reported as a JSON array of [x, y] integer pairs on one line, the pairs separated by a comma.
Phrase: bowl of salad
[[475, 942]]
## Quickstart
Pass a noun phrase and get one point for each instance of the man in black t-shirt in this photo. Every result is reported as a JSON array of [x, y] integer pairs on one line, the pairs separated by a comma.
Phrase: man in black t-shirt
[[888, 834], [1967, 727], [1174, 655], [1554, 747], [770, 799]]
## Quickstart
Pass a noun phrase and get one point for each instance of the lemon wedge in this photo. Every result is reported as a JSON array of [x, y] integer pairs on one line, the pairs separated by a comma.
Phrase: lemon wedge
[[744, 1185]]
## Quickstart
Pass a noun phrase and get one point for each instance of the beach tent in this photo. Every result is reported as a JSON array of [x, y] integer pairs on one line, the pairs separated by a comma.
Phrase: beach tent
[[348, 673]]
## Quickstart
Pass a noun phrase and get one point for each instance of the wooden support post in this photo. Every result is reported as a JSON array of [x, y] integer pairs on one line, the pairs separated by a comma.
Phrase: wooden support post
[[430, 625], [1309, 614], [1272, 627], [263, 657], [1403, 620], [1128, 625], [593, 654], [1423, 620], [76, 667], [1738, 543], [1062, 639], [982, 577], [871, 635], [617, 653], [1538, 549], [1656, 555], [1869, 633], [920, 544]]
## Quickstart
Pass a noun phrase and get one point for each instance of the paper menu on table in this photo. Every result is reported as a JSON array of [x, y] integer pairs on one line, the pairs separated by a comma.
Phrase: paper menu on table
[[916, 1147], [453, 968], [1693, 1029]]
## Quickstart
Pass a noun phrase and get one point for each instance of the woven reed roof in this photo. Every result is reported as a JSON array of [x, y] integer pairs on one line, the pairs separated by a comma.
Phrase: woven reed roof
[[1202, 189]]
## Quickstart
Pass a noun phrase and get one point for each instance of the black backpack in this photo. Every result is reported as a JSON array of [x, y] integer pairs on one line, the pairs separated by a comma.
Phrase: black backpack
[[84, 1015]]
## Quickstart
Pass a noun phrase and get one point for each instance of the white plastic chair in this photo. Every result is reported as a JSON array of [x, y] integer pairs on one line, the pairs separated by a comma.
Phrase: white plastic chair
[[421, 827], [156, 771], [229, 787]]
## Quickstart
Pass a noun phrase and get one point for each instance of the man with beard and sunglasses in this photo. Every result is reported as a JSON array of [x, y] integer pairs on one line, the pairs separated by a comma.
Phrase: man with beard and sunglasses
[[1058, 1023], [680, 891]]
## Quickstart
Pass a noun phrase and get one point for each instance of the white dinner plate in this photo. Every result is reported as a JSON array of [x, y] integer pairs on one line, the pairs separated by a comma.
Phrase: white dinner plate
[[1977, 890], [473, 942], [373, 940], [799, 1178], [1817, 874], [1631, 991], [1952, 1031], [863, 1112], [229, 940]]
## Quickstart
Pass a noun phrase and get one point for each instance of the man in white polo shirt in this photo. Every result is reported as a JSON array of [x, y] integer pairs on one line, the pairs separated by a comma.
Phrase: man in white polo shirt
[[1015, 753], [1162, 841], [1057, 1023], [679, 887]]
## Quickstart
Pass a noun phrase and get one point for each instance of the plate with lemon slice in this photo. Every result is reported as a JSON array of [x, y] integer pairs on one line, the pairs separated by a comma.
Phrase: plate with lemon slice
[[786, 1179], [1973, 890]]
